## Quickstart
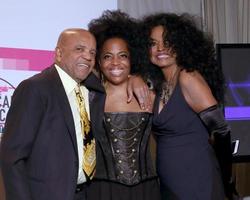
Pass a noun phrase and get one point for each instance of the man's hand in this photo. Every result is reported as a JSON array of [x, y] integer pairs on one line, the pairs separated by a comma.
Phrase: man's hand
[[137, 87]]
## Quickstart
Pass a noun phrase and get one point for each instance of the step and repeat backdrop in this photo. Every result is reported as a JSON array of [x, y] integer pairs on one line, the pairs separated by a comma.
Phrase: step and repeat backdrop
[[28, 35]]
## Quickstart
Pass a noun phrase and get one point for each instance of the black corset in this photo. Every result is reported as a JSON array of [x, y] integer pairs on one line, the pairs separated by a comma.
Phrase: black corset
[[128, 136]]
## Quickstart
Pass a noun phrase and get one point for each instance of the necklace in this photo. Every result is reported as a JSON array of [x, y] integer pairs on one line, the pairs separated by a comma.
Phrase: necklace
[[168, 87]]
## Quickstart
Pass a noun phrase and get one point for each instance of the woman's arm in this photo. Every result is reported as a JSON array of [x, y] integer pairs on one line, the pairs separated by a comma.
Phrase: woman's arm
[[138, 88], [199, 97], [196, 91]]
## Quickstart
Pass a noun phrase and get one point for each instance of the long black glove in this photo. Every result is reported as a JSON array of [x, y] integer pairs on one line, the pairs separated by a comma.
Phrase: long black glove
[[218, 128]]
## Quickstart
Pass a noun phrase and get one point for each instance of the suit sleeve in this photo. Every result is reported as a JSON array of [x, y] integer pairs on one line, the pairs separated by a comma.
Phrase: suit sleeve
[[21, 128]]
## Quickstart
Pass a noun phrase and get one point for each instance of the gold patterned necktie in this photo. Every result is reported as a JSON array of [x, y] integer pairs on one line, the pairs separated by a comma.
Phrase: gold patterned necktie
[[89, 156]]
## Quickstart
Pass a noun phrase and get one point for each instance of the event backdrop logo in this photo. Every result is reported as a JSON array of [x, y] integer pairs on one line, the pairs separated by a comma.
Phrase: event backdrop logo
[[15, 66], [6, 91]]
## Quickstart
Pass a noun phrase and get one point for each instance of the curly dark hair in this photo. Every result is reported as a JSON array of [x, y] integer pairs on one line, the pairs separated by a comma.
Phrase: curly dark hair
[[194, 50], [117, 24]]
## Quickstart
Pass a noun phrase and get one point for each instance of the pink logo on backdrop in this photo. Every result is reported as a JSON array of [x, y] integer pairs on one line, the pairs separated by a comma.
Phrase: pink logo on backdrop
[[18, 59], [25, 59]]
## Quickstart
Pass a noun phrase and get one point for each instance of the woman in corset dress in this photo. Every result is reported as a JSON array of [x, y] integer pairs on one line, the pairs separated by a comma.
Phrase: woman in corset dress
[[189, 92], [124, 168]]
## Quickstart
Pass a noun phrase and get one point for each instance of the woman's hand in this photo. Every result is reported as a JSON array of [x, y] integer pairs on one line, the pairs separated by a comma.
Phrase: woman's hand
[[138, 88]]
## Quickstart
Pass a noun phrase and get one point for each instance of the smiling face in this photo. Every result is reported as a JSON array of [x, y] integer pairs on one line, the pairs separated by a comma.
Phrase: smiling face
[[75, 53], [160, 54], [115, 61]]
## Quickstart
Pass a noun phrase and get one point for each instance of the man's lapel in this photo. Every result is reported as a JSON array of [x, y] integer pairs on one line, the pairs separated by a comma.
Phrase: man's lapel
[[64, 104]]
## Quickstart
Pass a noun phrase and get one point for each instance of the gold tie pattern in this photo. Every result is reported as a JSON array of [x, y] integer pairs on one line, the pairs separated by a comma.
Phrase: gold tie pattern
[[89, 156]]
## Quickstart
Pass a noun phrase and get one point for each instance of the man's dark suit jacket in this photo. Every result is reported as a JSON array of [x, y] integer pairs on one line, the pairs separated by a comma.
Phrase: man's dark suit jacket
[[39, 158]]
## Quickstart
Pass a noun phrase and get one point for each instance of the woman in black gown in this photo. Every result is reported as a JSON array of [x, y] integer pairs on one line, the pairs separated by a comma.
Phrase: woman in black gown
[[124, 170], [189, 92]]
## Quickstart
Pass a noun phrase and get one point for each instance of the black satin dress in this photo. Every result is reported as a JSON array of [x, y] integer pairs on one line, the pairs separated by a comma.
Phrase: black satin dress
[[186, 163]]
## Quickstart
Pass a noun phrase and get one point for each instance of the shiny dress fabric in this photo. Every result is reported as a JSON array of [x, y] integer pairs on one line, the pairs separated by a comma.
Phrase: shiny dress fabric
[[186, 163], [130, 175]]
